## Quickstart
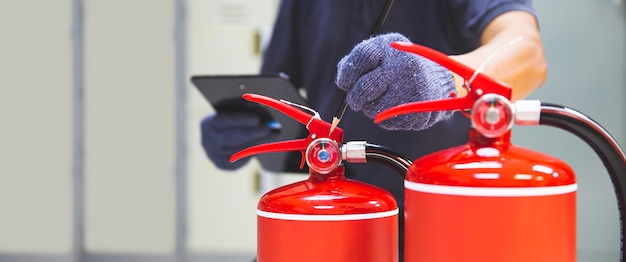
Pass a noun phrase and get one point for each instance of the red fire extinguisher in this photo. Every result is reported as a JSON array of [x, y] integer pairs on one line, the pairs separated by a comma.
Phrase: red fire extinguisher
[[326, 217], [489, 200]]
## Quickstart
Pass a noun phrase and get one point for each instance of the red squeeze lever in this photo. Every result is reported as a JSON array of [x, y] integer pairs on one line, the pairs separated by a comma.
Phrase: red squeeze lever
[[317, 127], [479, 84]]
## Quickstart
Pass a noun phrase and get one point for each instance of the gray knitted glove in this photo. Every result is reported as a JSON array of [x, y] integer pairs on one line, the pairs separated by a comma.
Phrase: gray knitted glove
[[377, 76], [224, 134]]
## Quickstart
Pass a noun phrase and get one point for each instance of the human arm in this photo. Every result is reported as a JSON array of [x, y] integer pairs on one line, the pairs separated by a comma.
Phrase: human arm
[[377, 77], [513, 41]]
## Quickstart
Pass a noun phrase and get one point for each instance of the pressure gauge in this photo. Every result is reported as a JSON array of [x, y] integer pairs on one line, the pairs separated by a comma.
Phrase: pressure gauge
[[492, 115], [323, 155]]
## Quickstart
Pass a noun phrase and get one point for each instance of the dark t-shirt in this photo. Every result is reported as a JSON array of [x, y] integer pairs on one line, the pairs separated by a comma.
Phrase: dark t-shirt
[[311, 36]]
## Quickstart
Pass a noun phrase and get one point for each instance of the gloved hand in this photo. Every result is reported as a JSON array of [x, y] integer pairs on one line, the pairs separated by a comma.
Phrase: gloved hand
[[224, 134], [377, 76]]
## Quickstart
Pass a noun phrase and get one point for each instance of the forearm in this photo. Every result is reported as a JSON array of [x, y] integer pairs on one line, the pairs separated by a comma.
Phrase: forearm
[[513, 52]]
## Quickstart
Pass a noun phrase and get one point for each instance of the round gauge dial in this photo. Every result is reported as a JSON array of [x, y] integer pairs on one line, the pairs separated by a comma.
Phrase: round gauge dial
[[492, 115], [323, 155]]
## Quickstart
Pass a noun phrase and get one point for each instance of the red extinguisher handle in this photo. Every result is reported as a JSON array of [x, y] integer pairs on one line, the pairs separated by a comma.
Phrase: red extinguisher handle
[[281, 106], [283, 146], [477, 83], [317, 127]]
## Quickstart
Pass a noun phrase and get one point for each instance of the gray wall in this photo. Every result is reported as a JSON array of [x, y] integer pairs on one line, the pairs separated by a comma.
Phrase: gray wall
[[129, 125], [36, 127]]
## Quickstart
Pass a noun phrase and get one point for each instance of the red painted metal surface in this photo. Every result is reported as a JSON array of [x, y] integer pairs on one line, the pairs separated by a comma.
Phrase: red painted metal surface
[[490, 200], [314, 241], [330, 194], [516, 166], [328, 218]]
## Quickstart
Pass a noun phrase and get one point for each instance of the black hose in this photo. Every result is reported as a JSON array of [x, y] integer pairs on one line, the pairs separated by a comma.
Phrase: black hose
[[380, 21], [601, 142], [382, 17], [388, 157]]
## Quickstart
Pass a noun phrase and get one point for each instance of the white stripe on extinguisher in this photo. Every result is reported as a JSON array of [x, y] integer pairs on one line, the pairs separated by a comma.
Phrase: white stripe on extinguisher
[[326, 217], [491, 191]]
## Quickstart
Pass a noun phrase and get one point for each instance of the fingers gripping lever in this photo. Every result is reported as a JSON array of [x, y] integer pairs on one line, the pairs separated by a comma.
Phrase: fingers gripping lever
[[477, 83], [318, 129]]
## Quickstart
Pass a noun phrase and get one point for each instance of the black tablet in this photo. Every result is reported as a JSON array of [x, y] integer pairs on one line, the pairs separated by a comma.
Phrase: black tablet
[[224, 92]]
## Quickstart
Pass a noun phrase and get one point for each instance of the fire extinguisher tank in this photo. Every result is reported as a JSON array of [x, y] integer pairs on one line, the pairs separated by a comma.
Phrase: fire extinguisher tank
[[487, 200], [490, 200], [328, 218]]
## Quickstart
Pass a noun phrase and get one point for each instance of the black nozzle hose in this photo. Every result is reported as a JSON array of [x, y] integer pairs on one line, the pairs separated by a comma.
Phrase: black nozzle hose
[[601, 142], [388, 157], [382, 16]]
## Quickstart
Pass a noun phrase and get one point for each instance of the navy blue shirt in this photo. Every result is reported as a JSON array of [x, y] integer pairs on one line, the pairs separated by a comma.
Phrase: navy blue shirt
[[311, 36]]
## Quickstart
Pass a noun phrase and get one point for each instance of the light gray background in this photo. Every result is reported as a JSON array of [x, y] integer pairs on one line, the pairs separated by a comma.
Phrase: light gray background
[[110, 107]]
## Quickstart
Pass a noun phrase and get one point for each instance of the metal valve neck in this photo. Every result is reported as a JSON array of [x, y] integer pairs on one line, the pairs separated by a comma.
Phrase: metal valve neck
[[476, 138]]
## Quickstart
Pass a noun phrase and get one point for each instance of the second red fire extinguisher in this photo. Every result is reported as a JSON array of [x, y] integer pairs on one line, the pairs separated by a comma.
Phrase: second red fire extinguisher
[[489, 200]]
